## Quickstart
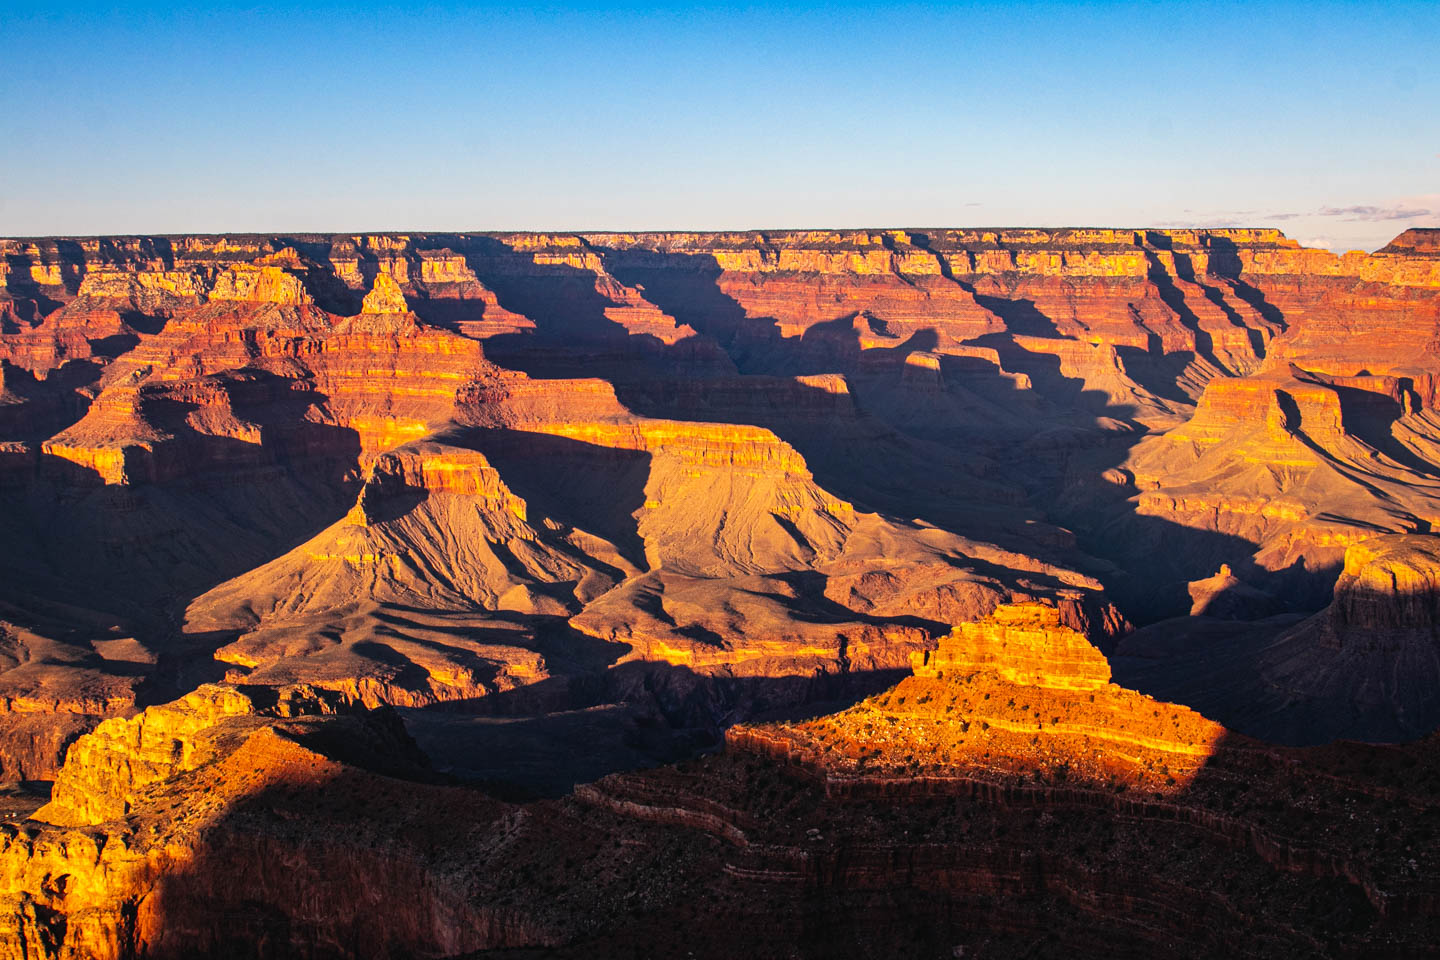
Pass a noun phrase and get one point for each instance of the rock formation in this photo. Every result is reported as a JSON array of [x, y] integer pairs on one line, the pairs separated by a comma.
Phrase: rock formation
[[1015, 694], [1366, 666], [1005, 799], [556, 505]]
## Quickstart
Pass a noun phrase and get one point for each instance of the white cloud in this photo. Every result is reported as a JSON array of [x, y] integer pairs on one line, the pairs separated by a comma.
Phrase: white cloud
[[1373, 213]]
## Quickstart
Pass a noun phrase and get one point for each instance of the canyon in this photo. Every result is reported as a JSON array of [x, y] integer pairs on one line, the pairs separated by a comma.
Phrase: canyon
[[942, 592]]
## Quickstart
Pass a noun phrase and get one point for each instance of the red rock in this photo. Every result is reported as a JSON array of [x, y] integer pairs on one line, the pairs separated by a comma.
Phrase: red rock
[[677, 478]]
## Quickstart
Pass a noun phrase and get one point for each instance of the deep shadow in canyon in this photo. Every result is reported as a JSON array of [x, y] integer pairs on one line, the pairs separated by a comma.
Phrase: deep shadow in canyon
[[737, 851], [858, 448], [942, 468]]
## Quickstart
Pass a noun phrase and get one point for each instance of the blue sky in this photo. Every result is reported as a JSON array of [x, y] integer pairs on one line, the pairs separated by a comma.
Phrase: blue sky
[[1322, 119]]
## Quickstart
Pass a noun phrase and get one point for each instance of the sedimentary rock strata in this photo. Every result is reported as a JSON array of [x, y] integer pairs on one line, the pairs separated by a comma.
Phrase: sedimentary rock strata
[[267, 503], [1112, 825], [1364, 666]]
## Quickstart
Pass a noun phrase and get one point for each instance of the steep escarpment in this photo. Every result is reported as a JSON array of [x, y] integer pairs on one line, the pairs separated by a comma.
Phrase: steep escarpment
[[127, 858], [1283, 473], [1325, 443], [936, 816], [742, 452], [372, 381], [1364, 666]]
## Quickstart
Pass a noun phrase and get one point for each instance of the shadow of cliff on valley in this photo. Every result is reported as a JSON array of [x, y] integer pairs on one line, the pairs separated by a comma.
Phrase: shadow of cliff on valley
[[575, 334], [545, 738], [953, 443], [583, 486], [1044, 438], [750, 853], [414, 845], [195, 510], [1225, 262]]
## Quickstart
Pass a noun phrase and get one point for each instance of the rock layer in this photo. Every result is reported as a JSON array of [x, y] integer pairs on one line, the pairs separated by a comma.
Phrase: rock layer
[[1364, 666], [801, 836]]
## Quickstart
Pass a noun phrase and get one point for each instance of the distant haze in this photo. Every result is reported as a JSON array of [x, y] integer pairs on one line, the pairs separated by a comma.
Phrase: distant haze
[[1319, 119]]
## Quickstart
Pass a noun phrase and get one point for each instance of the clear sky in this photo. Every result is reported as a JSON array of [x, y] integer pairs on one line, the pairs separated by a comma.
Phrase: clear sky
[[148, 116]]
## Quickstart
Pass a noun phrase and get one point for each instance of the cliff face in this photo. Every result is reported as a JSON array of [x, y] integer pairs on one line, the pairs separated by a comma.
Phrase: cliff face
[[577, 502], [1364, 666], [830, 443], [936, 816], [165, 832], [1327, 441]]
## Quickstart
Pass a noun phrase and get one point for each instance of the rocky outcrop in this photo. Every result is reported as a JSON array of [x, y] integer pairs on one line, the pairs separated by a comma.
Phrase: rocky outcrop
[[1374, 651], [1024, 644], [384, 297], [215, 790], [1388, 593], [1364, 666], [1015, 694], [107, 767], [1227, 597]]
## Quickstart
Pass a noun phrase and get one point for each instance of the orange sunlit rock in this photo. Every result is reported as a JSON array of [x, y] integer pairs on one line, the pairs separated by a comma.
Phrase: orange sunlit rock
[[1052, 592], [1016, 695]]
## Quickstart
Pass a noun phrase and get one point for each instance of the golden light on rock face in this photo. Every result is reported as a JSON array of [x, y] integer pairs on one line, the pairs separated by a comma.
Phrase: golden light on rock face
[[1016, 697], [334, 564], [384, 297]]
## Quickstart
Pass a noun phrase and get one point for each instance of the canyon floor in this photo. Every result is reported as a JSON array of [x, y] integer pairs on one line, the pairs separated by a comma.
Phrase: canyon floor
[[983, 593]]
